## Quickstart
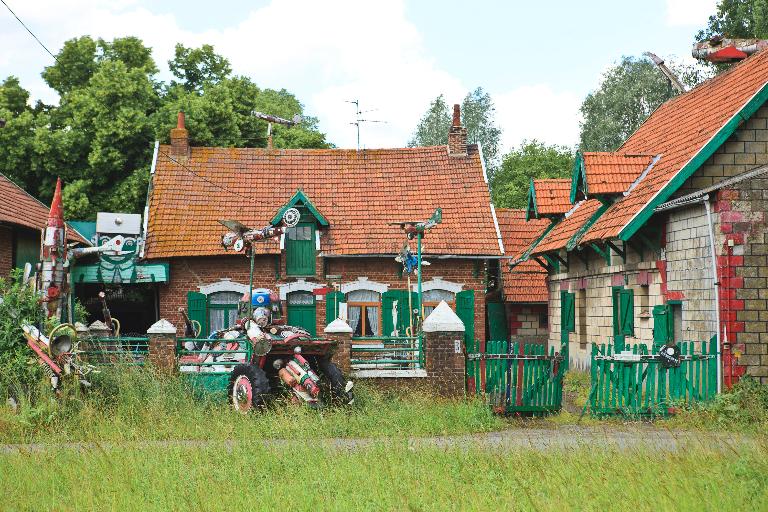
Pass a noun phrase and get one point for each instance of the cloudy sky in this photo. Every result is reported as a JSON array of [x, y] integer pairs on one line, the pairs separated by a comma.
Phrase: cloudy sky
[[537, 59]]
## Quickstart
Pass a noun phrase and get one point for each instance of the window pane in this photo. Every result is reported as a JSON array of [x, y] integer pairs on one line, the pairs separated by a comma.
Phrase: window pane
[[372, 320], [438, 295], [224, 298], [301, 299], [299, 233], [428, 310], [363, 296]]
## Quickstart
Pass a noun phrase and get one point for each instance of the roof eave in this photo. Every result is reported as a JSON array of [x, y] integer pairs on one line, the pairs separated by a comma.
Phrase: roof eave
[[641, 217]]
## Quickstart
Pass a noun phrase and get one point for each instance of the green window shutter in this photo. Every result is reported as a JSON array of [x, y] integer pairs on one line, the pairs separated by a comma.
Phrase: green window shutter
[[300, 250], [568, 311], [465, 310], [332, 301], [627, 315], [27, 249], [497, 321], [197, 309], [662, 333], [388, 299]]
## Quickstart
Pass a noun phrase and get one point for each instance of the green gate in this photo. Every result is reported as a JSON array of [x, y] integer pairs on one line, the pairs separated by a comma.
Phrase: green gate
[[633, 382], [517, 378]]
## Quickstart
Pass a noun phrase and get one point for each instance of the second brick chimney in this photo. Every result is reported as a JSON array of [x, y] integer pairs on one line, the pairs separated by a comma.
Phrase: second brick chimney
[[457, 135], [180, 138]]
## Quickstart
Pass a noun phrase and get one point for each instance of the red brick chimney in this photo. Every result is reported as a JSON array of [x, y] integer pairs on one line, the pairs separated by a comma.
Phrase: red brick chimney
[[180, 138], [457, 135]]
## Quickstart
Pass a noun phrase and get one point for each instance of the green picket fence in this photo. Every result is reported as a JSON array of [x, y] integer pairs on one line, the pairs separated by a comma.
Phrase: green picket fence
[[516, 378], [387, 353], [109, 350], [634, 383]]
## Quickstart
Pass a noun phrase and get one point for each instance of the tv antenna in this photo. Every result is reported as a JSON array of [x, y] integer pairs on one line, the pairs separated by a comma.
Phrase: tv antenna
[[359, 119], [274, 119]]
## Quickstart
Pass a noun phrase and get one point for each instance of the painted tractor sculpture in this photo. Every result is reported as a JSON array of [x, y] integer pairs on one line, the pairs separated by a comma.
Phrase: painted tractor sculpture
[[279, 355]]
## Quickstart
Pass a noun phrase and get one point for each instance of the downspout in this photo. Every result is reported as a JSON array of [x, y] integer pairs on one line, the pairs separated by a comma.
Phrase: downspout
[[716, 285]]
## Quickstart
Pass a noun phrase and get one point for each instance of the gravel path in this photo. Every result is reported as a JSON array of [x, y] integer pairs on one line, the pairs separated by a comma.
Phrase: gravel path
[[566, 437]]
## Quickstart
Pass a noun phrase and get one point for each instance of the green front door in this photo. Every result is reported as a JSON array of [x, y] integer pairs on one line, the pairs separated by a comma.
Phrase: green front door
[[27, 249], [301, 311], [567, 324], [497, 321], [300, 250]]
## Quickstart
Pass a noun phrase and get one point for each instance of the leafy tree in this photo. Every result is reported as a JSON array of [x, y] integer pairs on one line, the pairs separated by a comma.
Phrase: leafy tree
[[13, 97], [532, 159], [737, 18], [196, 67], [99, 138], [477, 116], [75, 64], [628, 93], [432, 130]]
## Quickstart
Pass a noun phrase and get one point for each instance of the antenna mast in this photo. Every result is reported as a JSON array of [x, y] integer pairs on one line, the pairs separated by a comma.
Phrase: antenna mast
[[358, 119]]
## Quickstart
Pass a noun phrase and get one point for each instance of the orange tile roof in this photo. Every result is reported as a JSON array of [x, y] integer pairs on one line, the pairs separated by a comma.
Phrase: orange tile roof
[[613, 173], [552, 196], [559, 236], [20, 208], [359, 193], [526, 282], [678, 130]]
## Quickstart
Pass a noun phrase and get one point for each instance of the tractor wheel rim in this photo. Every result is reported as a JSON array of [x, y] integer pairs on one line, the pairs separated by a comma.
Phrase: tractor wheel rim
[[242, 394]]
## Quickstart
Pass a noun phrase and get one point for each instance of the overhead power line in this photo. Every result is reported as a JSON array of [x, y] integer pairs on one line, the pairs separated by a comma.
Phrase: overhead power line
[[30, 32]]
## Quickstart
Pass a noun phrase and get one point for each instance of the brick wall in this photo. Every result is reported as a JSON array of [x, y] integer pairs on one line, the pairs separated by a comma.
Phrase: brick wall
[[188, 274], [682, 271], [6, 250], [525, 321]]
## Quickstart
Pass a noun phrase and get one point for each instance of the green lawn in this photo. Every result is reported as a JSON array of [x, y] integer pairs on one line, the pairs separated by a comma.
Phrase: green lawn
[[133, 405], [392, 477]]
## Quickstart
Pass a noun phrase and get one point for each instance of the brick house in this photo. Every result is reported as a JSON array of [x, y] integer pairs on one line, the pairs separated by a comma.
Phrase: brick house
[[524, 286], [21, 219], [347, 200], [665, 238]]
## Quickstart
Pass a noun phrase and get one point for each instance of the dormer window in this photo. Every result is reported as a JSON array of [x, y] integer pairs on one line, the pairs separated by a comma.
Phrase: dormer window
[[301, 241]]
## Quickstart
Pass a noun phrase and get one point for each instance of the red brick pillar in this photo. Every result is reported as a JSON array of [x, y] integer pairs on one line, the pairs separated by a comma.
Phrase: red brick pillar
[[341, 332], [162, 346], [445, 351]]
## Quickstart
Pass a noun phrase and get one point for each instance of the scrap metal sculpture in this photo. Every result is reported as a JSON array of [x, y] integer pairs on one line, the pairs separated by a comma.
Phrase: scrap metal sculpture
[[415, 229], [296, 358], [57, 352]]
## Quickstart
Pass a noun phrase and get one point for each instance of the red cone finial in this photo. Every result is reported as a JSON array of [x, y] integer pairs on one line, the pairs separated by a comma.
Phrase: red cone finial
[[56, 216]]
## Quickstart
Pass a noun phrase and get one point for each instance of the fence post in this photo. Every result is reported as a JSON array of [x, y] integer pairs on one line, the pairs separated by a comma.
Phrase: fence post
[[445, 350], [341, 332], [162, 346]]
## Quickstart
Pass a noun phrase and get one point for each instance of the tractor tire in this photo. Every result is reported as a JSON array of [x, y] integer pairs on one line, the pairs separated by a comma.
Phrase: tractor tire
[[248, 388], [336, 383]]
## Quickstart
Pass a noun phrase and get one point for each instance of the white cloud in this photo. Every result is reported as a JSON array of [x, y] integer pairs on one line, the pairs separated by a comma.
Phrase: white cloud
[[689, 12], [538, 112], [325, 52]]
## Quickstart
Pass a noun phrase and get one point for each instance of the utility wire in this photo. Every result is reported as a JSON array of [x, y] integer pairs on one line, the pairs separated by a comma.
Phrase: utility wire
[[30, 32]]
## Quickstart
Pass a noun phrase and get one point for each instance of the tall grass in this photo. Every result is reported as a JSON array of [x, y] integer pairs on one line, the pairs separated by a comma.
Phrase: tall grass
[[136, 404], [248, 476]]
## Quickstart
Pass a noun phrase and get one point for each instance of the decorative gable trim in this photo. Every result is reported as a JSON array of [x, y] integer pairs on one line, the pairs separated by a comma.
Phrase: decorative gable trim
[[531, 208], [224, 285], [578, 179], [300, 285], [363, 283], [300, 199], [438, 283]]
